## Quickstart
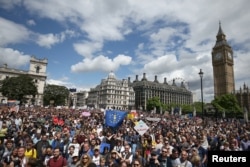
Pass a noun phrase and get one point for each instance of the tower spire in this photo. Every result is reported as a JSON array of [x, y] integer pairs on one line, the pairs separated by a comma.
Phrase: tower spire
[[220, 32]]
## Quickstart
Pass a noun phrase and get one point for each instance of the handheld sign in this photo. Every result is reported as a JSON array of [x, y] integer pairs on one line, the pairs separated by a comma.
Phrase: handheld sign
[[141, 127]]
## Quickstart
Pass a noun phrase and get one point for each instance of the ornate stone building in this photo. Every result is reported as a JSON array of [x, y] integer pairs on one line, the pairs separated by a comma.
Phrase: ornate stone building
[[243, 97], [223, 65], [37, 71], [168, 94], [223, 71], [112, 93]]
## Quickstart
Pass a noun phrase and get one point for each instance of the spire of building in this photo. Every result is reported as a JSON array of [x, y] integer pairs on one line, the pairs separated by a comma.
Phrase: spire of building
[[221, 37], [220, 32]]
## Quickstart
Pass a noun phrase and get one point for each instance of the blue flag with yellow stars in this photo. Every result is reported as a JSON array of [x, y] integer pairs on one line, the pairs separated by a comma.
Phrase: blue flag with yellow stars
[[114, 118]]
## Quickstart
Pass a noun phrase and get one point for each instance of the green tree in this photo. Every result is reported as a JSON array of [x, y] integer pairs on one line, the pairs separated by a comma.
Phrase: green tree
[[154, 102], [186, 108], [58, 94], [198, 106], [18, 88], [227, 103]]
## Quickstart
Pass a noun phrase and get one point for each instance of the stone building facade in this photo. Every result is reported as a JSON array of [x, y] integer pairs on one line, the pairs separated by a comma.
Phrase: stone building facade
[[168, 94], [37, 71], [243, 97], [112, 93]]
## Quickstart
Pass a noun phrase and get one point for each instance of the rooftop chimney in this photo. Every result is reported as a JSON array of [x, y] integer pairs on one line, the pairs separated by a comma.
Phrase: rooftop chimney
[[144, 77], [156, 79], [165, 81], [173, 83], [129, 80]]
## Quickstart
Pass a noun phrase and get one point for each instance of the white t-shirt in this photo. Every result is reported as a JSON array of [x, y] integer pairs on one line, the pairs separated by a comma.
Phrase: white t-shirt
[[96, 160]]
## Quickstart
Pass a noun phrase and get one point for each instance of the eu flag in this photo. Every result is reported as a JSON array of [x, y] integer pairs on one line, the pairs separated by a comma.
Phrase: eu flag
[[114, 118]]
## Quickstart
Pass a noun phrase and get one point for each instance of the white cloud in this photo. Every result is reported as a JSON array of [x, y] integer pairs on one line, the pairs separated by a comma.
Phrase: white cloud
[[11, 33], [176, 37], [48, 40], [13, 58], [101, 63], [87, 49], [31, 22]]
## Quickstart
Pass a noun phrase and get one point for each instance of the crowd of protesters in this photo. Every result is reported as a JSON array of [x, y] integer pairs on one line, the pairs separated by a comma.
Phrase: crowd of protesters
[[37, 136]]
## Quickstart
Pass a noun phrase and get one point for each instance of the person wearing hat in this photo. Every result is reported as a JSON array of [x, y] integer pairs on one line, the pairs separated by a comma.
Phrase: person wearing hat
[[96, 157], [114, 159], [75, 160], [153, 160]]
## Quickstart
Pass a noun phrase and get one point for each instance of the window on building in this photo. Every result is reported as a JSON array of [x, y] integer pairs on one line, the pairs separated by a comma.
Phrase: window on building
[[37, 69]]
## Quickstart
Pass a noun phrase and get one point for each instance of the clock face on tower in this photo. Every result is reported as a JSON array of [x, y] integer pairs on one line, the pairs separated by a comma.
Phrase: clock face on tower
[[218, 56], [229, 54]]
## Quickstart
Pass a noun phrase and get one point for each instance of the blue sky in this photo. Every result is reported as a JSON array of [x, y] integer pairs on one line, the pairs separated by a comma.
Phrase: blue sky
[[84, 40]]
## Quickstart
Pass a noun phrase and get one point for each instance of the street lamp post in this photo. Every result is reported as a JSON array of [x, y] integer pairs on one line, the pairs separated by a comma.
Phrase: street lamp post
[[202, 109]]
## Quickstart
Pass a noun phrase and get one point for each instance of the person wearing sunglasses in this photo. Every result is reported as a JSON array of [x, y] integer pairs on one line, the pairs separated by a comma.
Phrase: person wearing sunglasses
[[86, 161], [136, 163], [164, 157]]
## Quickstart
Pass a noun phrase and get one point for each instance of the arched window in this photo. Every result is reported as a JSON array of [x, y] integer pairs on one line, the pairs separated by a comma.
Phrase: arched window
[[37, 69]]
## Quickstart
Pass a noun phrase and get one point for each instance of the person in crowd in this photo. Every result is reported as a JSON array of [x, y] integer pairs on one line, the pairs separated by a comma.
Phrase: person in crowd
[[138, 156], [119, 147], [32, 162], [57, 142], [184, 159], [3, 131], [97, 156], [30, 151], [36, 137], [75, 160], [201, 151], [195, 158], [48, 155], [85, 149], [57, 160], [86, 161], [164, 157], [174, 158], [22, 159], [41, 147], [6, 149], [70, 154], [11, 160], [93, 144], [158, 145], [245, 142], [137, 163], [115, 158], [102, 162], [153, 160], [126, 155], [110, 139]]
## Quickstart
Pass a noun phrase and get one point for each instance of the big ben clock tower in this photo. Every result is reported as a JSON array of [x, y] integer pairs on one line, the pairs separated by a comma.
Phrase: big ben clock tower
[[223, 70]]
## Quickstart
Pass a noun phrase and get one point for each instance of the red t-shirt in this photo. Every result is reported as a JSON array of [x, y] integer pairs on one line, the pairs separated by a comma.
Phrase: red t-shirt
[[59, 162]]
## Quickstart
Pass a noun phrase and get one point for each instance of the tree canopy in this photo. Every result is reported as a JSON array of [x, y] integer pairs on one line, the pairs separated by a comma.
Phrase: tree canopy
[[55, 93], [18, 88], [227, 103], [154, 103]]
